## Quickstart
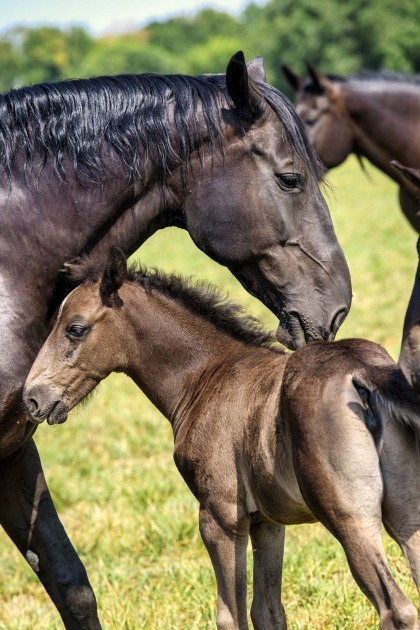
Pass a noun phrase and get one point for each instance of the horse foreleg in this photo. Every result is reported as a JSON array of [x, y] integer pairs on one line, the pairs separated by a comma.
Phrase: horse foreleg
[[400, 465], [227, 549], [28, 516], [267, 612]]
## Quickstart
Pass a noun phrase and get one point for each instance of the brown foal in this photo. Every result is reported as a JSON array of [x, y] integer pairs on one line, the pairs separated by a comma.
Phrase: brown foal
[[262, 438]]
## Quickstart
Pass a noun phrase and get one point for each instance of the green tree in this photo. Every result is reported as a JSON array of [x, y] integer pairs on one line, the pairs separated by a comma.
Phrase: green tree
[[211, 56], [50, 54], [126, 54], [338, 36], [9, 65], [178, 35]]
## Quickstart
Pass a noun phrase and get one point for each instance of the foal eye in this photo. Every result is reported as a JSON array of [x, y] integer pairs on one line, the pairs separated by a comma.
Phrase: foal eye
[[76, 330], [290, 181], [310, 122]]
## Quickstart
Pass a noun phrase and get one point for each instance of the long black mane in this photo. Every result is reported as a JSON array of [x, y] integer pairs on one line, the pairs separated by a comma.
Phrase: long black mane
[[127, 116], [197, 296]]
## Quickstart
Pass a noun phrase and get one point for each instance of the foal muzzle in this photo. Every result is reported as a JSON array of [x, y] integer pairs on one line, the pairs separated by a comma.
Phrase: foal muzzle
[[41, 404]]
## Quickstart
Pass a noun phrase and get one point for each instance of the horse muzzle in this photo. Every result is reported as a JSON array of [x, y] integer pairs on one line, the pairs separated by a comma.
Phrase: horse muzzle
[[41, 404], [295, 329]]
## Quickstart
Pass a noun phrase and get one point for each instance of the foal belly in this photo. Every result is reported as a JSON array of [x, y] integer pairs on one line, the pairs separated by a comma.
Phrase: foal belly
[[276, 493], [283, 505]]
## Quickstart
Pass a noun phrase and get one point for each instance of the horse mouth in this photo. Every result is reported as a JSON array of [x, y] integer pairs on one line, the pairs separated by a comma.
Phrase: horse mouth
[[294, 331]]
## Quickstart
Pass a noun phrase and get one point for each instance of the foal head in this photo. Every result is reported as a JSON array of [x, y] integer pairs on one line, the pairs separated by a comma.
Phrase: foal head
[[84, 347]]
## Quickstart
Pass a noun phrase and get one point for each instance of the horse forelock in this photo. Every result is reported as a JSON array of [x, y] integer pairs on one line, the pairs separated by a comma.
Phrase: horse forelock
[[131, 116]]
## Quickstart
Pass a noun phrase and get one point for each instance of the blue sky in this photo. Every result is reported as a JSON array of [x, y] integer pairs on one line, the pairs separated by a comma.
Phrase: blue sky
[[101, 15]]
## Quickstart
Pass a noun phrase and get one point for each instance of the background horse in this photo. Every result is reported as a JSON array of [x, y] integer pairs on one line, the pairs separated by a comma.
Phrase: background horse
[[89, 163], [374, 115], [409, 359], [263, 439]]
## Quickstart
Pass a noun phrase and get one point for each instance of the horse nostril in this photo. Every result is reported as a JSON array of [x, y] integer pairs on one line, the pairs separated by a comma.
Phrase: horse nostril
[[32, 405], [336, 322]]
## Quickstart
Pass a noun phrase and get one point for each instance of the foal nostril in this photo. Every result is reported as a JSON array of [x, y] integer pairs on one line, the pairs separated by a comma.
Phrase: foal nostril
[[336, 322]]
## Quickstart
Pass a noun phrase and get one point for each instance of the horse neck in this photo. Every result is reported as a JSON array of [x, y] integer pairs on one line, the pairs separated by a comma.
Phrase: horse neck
[[386, 122], [66, 220], [172, 353]]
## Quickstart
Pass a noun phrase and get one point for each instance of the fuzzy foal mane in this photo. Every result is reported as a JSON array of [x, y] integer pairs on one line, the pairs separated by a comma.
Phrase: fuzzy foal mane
[[77, 122], [198, 297]]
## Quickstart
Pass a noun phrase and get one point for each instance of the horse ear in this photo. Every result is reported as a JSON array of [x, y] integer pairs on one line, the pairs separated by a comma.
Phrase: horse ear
[[113, 277], [412, 174], [295, 81], [256, 70], [321, 81], [241, 89]]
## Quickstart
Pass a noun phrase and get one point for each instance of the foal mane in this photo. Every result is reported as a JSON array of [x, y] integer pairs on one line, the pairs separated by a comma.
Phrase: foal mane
[[197, 296], [130, 116]]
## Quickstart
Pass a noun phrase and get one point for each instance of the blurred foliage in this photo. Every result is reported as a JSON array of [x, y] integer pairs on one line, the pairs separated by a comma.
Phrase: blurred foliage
[[339, 36]]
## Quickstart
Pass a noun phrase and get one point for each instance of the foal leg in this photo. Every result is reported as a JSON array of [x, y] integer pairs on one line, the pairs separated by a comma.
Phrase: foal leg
[[400, 465], [226, 545], [28, 516], [267, 612]]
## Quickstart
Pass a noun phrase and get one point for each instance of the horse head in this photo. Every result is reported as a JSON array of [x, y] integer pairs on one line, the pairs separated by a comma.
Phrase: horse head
[[320, 104], [259, 211]]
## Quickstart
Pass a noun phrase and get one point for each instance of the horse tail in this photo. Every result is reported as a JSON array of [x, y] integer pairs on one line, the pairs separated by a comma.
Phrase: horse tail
[[387, 391]]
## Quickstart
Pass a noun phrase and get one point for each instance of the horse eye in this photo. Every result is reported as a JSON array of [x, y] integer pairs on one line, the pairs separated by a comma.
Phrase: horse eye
[[311, 121], [76, 330], [288, 180]]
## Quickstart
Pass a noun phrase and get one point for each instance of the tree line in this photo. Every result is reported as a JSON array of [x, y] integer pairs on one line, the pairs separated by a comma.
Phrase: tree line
[[338, 36]]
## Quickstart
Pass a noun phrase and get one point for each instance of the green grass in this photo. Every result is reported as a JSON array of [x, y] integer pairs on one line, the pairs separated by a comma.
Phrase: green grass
[[127, 510]]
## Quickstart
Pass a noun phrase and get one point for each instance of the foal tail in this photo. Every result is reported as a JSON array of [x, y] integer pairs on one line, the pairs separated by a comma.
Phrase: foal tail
[[386, 390]]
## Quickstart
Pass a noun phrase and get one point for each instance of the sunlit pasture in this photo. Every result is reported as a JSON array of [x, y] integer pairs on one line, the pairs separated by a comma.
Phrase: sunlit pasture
[[125, 507]]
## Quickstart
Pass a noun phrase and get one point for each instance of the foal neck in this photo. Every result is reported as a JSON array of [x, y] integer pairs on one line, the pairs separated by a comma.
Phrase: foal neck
[[173, 354]]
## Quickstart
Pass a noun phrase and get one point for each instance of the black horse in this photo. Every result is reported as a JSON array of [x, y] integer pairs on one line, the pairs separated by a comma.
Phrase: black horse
[[108, 161]]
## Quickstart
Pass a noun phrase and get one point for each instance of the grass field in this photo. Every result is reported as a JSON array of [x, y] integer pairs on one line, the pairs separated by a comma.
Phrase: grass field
[[122, 501]]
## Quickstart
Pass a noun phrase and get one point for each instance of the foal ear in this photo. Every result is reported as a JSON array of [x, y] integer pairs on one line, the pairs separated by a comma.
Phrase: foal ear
[[113, 277], [295, 81], [256, 69], [412, 174], [242, 90]]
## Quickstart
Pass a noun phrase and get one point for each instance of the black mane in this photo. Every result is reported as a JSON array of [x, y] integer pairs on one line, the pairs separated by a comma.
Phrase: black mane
[[201, 298], [128, 116]]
